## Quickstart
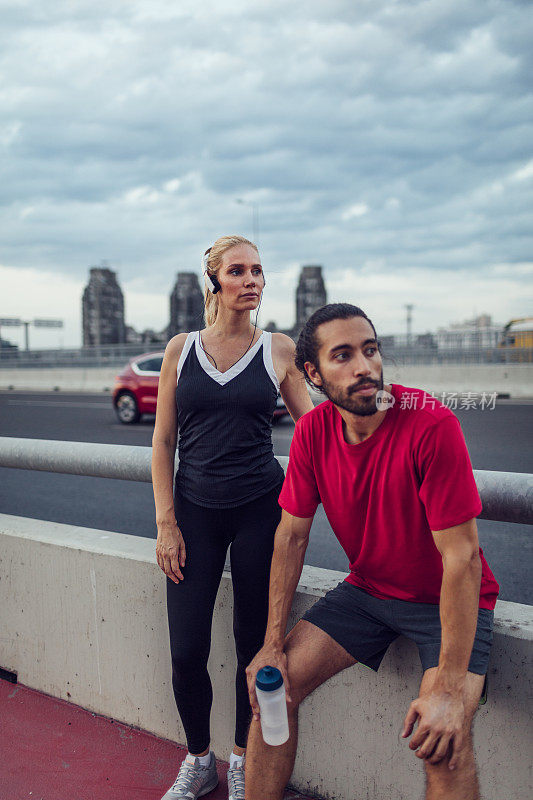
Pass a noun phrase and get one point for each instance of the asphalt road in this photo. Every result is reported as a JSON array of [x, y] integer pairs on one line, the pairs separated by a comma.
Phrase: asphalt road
[[498, 439]]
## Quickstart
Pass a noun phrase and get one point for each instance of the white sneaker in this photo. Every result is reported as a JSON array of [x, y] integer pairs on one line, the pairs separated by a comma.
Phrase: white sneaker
[[236, 782], [193, 780]]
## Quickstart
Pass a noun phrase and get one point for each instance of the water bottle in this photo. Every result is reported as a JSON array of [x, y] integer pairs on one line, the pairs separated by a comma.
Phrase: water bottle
[[273, 705]]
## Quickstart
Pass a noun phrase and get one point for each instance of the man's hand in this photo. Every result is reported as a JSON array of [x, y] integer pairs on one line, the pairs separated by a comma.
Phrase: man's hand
[[440, 718], [268, 656], [170, 550]]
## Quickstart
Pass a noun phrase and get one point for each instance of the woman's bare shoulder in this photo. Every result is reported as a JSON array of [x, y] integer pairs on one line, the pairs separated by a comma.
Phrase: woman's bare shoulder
[[175, 346], [283, 345]]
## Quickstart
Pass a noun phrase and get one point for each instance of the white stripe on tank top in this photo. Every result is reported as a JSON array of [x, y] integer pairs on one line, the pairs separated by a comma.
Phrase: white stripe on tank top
[[267, 359], [185, 352], [222, 378]]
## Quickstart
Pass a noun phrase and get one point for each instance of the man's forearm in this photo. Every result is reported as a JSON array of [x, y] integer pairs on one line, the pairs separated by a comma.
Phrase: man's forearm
[[285, 571], [459, 604]]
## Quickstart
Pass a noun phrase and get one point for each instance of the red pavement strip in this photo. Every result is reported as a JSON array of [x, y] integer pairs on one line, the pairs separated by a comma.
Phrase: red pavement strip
[[54, 750]]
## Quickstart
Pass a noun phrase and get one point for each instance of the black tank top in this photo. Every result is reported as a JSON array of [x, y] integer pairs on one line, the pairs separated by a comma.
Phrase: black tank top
[[225, 448]]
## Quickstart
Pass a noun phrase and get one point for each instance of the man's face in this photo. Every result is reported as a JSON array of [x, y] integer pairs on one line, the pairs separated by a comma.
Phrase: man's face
[[349, 368]]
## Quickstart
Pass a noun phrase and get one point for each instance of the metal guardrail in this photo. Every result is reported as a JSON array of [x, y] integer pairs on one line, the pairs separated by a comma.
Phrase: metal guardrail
[[108, 355], [398, 352], [413, 356], [506, 496], [119, 461]]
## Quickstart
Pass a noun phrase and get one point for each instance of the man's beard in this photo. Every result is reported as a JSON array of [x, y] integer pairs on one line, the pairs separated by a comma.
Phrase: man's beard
[[356, 404]]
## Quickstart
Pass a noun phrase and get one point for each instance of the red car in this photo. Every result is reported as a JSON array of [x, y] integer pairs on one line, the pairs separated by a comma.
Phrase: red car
[[135, 391]]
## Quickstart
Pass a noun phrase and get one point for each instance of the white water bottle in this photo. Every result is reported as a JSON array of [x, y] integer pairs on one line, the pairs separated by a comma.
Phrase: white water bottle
[[273, 705]]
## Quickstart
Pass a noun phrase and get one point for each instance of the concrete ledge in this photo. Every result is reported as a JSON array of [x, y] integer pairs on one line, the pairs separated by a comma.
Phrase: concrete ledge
[[84, 619], [513, 379]]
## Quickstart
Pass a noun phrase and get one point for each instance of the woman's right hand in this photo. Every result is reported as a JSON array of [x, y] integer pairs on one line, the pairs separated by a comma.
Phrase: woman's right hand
[[170, 550]]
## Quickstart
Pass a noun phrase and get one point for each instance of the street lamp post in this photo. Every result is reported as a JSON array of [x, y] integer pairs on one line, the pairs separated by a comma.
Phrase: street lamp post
[[255, 217], [409, 308]]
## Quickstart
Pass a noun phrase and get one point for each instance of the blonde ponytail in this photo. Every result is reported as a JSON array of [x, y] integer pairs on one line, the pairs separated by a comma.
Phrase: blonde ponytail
[[210, 307]]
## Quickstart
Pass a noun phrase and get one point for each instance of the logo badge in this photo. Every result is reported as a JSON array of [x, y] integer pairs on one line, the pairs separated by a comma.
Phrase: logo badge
[[384, 400]]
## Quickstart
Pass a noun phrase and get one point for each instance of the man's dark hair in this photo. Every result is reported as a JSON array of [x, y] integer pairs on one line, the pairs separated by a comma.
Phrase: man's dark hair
[[307, 346]]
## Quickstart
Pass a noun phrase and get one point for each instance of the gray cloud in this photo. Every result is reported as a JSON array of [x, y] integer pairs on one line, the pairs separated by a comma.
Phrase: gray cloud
[[390, 132]]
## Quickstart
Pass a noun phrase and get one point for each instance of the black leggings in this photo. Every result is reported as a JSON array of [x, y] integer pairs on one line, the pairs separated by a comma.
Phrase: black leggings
[[207, 533]]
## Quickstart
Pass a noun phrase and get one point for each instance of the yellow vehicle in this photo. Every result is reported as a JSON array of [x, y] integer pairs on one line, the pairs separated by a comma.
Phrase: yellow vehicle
[[517, 340]]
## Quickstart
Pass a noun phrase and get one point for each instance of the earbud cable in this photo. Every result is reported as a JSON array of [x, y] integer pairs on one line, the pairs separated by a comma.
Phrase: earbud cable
[[251, 340]]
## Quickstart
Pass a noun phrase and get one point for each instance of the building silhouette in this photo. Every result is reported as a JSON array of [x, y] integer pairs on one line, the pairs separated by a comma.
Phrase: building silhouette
[[310, 295], [148, 336], [478, 332], [103, 309], [186, 304]]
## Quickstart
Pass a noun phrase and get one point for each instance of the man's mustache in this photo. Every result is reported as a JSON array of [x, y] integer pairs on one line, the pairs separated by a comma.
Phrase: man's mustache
[[363, 385]]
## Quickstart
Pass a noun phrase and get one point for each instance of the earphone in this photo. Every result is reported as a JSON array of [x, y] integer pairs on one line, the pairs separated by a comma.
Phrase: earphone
[[211, 281]]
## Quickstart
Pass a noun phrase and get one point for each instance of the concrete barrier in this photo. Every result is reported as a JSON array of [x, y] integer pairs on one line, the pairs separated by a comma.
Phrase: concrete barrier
[[513, 379], [68, 379], [84, 619]]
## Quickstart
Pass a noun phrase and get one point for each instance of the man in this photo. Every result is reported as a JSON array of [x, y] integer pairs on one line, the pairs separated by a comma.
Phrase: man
[[391, 468]]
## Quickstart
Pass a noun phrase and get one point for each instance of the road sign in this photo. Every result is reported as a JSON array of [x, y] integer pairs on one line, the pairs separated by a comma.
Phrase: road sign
[[47, 323], [10, 321]]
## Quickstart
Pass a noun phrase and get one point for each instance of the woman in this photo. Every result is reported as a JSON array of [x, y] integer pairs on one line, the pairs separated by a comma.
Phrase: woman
[[227, 485]]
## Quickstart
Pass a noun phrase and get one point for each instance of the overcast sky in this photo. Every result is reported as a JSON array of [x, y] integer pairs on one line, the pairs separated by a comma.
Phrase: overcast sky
[[389, 141]]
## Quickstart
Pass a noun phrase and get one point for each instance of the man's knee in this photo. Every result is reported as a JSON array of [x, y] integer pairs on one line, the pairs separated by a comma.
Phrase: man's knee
[[298, 694], [298, 689], [303, 679], [440, 772]]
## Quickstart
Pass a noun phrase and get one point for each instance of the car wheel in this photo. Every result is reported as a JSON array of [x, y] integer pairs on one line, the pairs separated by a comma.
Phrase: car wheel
[[127, 409]]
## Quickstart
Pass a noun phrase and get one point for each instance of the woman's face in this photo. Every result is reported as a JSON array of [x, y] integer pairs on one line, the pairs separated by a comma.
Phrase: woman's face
[[241, 278]]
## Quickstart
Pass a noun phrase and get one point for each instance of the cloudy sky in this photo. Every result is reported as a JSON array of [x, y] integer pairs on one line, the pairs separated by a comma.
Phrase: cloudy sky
[[388, 140]]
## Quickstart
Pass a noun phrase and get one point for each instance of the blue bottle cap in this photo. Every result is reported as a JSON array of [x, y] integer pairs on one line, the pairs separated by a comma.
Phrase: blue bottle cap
[[269, 679]]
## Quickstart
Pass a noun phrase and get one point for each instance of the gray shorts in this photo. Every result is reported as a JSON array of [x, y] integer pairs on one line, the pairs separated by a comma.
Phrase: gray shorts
[[366, 625]]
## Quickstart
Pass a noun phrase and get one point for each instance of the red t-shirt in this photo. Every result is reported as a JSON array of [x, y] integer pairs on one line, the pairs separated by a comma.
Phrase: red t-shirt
[[384, 496]]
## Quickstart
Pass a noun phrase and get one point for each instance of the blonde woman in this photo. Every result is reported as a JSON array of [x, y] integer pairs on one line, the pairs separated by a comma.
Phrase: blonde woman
[[218, 387]]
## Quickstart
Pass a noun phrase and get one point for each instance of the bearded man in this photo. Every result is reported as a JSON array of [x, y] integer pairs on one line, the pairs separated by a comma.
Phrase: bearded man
[[391, 468]]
